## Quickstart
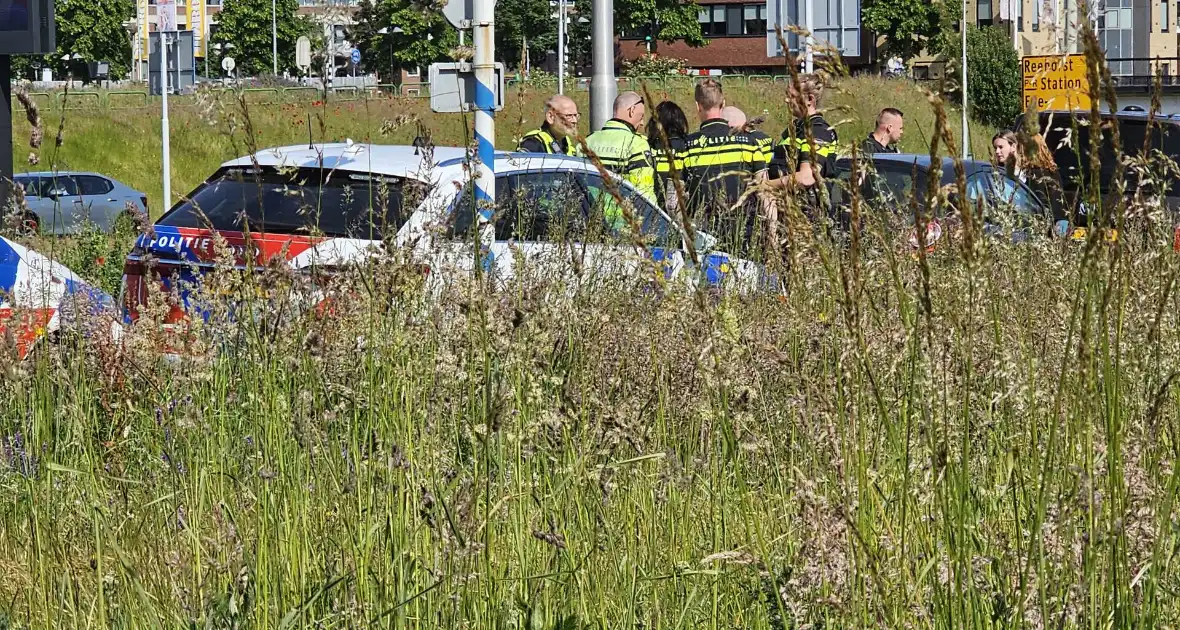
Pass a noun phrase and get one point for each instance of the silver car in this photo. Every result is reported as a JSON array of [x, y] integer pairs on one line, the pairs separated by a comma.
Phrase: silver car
[[64, 202]]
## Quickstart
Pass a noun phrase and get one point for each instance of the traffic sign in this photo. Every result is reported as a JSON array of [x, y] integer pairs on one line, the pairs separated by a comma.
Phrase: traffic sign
[[228, 64], [1055, 82], [460, 13], [355, 56], [303, 52], [452, 87]]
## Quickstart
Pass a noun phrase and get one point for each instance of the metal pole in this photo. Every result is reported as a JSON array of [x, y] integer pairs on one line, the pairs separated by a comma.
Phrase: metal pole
[[602, 82], [561, 46], [274, 35], [164, 135], [485, 103], [966, 150], [6, 164], [809, 23]]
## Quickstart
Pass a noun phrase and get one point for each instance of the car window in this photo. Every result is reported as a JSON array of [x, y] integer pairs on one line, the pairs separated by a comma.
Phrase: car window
[[64, 186], [31, 185], [306, 200], [1000, 191], [92, 185], [463, 210], [544, 206], [655, 226]]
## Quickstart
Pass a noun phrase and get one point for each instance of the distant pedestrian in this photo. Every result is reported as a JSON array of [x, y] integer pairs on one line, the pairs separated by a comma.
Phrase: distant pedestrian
[[886, 135], [556, 134], [671, 121]]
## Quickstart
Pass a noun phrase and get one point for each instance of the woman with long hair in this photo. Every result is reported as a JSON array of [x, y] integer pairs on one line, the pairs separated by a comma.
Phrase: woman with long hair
[[670, 123], [1006, 151]]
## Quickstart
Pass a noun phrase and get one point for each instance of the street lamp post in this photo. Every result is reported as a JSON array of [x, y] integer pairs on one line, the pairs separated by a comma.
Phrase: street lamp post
[[274, 35]]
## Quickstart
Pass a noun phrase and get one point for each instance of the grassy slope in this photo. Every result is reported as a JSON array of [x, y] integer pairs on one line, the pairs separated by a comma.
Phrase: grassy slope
[[125, 143]]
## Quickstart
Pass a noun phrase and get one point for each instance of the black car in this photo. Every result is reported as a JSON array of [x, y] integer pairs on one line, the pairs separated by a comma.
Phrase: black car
[[898, 180], [1067, 136]]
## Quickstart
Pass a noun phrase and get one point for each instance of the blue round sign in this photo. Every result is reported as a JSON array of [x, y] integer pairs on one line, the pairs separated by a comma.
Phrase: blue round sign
[[355, 56]]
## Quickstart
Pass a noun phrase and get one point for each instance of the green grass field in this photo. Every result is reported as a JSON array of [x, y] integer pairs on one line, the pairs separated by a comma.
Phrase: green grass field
[[125, 143], [984, 437]]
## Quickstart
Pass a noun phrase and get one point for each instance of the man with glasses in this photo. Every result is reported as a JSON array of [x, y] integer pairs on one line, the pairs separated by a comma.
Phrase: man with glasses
[[621, 149], [557, 133]]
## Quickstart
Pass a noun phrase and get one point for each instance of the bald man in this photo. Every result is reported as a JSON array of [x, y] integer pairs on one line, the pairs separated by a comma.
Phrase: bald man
[[738, 123], [621, 149], [557, 132]]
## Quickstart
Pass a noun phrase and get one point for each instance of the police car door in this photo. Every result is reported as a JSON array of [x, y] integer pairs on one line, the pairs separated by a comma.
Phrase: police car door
[[541, 223], [612, 251]]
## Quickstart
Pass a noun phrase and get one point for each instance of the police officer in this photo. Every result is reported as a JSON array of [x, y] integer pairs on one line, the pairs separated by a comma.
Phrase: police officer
[[738, 123], [719, 164], [556, 135], [810, 139], [623, 151]]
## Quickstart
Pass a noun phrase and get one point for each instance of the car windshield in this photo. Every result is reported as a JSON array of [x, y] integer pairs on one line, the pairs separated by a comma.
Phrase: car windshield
[[307, 200], [1000, 191]]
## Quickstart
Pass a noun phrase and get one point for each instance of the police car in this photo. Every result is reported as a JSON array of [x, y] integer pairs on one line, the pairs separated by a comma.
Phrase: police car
[[41, 298], [330, 205]]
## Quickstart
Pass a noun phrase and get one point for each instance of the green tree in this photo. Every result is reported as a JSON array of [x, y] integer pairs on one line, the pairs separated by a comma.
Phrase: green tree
[[518, 21], [994, 81], [94, 30], [674, 21], [247, 23], [415, 35], [907, 26]]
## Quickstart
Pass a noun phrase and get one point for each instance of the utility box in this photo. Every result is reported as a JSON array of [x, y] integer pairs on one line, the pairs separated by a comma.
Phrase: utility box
[[452, 87], [182, 67], [98, 70]]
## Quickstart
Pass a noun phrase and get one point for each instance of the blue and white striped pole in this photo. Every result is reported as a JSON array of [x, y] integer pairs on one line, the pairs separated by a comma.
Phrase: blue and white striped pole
[[485, 103]]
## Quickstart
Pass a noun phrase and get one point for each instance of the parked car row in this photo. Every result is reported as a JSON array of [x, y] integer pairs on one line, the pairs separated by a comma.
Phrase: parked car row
[[331, 205]]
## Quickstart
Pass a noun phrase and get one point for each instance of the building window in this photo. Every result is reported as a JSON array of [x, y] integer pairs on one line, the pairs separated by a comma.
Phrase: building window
[[755, 15], [1115, 29], [983, 13], [712, 19], [414, 72], [1164, 15], [731, 20], [1036, 16], [1020, 15]]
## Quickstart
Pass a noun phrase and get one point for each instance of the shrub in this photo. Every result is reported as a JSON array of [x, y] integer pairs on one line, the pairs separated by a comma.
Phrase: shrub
[[993, 75], [653, 65]]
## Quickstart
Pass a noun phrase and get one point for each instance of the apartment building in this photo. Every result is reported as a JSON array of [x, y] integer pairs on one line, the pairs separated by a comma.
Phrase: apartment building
[[334, 15], [1139, 36]]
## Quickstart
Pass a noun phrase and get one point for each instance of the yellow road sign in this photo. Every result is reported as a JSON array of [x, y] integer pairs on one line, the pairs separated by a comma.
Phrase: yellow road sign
[[1055, 82]]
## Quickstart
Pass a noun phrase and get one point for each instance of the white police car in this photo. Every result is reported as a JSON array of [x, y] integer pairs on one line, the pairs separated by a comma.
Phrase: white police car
[[333, 204]]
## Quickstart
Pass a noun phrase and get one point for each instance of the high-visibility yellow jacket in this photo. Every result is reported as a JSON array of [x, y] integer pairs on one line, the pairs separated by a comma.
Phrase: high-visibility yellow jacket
[[626, 153]]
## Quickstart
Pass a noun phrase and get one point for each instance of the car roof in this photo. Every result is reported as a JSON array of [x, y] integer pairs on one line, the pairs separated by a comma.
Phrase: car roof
[[923, 161], [61, 174], [398, 160], [1121, 115]]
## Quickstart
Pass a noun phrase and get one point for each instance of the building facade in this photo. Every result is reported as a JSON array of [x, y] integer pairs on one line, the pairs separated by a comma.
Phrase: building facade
[[1138, 36], [736, 31]]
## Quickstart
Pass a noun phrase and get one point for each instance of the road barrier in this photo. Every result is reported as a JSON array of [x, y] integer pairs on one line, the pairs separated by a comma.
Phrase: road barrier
[[79, 100], [114, 99]]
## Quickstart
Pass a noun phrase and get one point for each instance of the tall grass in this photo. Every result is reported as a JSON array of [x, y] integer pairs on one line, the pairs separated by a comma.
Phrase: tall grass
[[983, 436]]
